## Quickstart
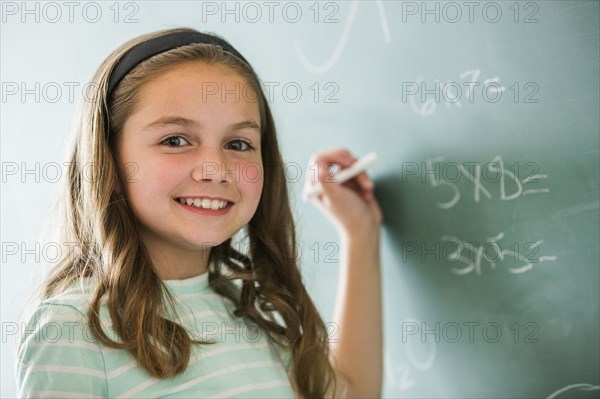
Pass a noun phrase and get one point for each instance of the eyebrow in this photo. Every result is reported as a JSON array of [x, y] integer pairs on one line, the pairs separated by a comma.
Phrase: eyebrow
[[185, 122]]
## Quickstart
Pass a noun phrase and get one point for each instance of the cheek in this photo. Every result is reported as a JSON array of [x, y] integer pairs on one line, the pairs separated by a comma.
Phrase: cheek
[[152, 179], [252, 180]]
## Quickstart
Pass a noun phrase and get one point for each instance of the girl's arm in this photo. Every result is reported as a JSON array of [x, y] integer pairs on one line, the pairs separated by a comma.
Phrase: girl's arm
[[358, 352], [357, 348]]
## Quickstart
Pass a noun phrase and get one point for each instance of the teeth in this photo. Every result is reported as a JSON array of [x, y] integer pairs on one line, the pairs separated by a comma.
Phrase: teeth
[[204, 203]]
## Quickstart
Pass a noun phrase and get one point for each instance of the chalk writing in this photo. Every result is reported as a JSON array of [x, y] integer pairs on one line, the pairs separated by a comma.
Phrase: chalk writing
[[400, 374], [510, 185], [473, 254], [451, 92], [339, 47], [580, 387]]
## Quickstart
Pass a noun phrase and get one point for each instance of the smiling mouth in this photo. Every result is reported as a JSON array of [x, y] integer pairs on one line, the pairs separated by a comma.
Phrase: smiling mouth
[[206, 203]]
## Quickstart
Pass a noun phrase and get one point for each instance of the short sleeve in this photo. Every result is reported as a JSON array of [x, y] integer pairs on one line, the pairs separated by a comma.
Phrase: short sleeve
[[57, 356]]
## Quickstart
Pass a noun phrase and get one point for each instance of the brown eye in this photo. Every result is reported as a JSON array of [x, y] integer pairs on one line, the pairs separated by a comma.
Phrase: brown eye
[[173, 141], [240, 145]]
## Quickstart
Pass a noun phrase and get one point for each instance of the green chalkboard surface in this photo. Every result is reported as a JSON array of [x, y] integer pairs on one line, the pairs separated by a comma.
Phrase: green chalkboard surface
[[485, 116], [487, 132]]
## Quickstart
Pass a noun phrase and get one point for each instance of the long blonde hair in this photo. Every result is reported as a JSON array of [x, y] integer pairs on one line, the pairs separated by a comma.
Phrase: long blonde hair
[[110, 252]]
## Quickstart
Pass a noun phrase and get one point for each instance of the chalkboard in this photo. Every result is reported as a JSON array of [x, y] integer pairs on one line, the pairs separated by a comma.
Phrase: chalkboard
[[488, 137], [485, 118]]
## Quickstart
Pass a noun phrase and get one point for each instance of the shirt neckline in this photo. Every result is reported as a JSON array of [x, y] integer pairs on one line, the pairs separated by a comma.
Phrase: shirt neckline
[[190, 285], [188, 280]]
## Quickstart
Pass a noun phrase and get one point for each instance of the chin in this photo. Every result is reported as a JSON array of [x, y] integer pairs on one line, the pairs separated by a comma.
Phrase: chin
[[207, 243]]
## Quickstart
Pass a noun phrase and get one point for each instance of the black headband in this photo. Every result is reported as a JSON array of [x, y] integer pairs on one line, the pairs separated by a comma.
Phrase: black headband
[[158, 45]]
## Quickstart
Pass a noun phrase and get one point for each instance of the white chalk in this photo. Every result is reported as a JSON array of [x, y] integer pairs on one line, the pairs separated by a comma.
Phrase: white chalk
[[344, 175]]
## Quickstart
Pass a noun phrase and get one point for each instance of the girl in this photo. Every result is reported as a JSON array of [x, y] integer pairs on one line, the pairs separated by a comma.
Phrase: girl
[[154, 300]]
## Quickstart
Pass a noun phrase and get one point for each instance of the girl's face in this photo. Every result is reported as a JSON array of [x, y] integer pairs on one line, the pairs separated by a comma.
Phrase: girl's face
[[194, 134]]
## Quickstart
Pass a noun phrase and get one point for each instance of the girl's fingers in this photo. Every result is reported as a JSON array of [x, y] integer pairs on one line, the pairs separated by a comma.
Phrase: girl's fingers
[[338, 156], [322, 162], [365, 182]]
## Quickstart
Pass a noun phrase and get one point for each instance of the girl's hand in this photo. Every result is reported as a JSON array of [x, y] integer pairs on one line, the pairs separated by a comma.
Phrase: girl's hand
[[351, 206]]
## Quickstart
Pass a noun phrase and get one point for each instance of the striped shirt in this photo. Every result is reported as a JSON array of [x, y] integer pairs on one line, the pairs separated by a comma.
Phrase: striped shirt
[[58, 356]]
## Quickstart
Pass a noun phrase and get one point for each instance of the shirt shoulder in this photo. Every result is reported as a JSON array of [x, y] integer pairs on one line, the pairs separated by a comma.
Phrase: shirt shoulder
[[57, 355]]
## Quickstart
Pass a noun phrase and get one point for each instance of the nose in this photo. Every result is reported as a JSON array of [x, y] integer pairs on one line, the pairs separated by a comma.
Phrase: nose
[[211, 166]]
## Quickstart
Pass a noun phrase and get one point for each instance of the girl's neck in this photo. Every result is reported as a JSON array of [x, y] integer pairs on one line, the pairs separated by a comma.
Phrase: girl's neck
[[175, 263]]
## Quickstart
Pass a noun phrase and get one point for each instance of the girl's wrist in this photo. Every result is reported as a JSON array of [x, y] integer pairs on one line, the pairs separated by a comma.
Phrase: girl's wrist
[[365, 237], [359, 230], [361, 250]]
